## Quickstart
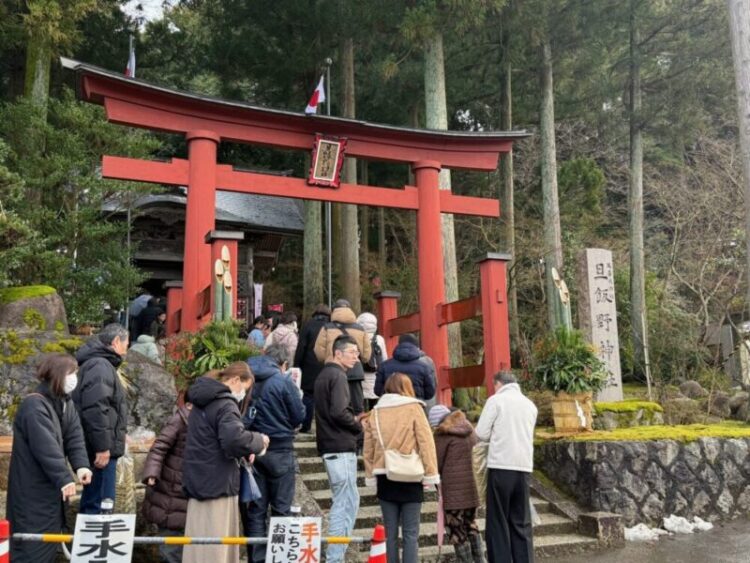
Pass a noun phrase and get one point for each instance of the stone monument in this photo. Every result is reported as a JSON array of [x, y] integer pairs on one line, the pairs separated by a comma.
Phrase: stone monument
[[597, 315]]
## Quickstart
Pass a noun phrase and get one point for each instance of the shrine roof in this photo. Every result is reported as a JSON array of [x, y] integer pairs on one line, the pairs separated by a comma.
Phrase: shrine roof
[[253, 212], [136, 102]]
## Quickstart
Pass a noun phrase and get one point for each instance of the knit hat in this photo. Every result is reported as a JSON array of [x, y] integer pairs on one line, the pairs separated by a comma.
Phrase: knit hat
[[438, 414]]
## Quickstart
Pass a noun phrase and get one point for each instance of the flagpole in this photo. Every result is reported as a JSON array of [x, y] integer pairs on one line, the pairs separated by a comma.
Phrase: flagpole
[[329, 238]]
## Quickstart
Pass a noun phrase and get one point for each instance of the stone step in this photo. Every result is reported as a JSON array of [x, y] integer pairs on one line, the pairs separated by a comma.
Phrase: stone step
[[544, 546], [318, 481], [368, 497], [315, 464], [306, 451], [552, 526], [369, 516]]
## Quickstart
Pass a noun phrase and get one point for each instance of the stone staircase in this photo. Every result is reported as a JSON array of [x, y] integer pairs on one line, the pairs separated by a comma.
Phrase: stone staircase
[[556, 535]]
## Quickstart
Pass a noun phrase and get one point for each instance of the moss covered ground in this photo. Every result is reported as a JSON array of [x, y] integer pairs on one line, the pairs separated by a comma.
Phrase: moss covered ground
[[682, 433], [629, 405], [12, 294]]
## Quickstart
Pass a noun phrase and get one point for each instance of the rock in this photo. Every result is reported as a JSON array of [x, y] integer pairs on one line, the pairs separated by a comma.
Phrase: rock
[[20, 355], [32, 308], [716, 405], [725, 503], [693, 390], [666, 452], [682, 411], [711, 448], [701, 504], [738, 400], [152, 396], [743, 413]]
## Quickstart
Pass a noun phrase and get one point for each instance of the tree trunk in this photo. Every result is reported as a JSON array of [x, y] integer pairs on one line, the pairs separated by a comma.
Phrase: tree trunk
[[38, 63], [506, 170], [312, 273], [739, 24], [436, 117], [635, 202], [364, 255], [552, 237], [350, 282], [382, 256]]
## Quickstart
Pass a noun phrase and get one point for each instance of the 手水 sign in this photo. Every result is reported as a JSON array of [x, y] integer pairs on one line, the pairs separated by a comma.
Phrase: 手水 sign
[[103, 538], [293, 540]]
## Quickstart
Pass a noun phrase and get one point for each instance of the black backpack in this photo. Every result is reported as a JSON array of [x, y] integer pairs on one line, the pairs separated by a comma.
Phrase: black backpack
[[373, 363]]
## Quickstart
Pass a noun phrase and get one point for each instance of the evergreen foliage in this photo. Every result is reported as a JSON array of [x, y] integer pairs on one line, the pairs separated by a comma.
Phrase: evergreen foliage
[[53, 230]]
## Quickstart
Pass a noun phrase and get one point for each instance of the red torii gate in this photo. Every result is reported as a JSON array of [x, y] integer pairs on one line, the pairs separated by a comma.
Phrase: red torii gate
[[206, 122]]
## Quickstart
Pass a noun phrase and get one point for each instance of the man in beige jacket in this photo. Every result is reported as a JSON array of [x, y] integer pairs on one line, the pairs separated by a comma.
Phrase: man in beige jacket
[[344, 321]]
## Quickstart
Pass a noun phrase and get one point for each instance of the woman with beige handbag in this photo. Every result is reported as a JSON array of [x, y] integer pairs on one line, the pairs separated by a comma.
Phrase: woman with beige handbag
[[400, 459]]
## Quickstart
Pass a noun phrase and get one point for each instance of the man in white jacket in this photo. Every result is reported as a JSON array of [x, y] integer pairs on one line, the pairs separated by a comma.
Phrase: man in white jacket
[[507, 423]]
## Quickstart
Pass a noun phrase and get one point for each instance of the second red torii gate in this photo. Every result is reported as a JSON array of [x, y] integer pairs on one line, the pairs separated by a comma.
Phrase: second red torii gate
[[206, 122]]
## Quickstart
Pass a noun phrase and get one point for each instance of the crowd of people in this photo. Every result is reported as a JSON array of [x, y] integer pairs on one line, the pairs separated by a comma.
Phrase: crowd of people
[[224, 462]]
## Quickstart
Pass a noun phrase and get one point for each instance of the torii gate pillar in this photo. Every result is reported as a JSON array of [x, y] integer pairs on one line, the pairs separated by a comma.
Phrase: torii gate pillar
[[200, 218], [434, 335]]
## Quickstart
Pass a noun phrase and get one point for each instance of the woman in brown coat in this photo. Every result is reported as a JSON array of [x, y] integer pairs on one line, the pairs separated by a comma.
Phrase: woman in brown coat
[[454, 440], [165, 505]]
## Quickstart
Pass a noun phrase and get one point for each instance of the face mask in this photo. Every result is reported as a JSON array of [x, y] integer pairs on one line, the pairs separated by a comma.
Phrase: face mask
[[71, 381], [239, 396]]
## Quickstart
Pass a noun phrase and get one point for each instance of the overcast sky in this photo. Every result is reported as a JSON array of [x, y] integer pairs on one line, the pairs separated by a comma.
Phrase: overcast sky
[[152, 9]]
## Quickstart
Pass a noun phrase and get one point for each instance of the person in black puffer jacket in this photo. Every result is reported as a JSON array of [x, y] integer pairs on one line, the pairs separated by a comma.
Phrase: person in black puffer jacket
[[278, 412], [216, 439], [102, 407], [46, 431], [165, 505], [406, 360], [305, 359]]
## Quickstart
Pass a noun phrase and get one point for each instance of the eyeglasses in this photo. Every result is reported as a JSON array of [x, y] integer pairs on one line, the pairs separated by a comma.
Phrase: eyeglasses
[[352, 351]]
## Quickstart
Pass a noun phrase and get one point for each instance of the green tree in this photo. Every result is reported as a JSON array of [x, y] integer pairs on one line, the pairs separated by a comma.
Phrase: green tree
[[69, 243]]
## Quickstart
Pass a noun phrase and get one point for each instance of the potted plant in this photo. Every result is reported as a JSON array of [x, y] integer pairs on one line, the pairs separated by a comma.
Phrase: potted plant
[[567, 365], [214, 346]]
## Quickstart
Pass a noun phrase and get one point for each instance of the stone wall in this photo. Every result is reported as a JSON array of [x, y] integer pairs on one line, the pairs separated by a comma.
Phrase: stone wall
[[645, 481]]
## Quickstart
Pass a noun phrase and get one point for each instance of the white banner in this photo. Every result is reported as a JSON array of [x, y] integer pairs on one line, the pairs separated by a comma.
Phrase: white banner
[[257, 299]]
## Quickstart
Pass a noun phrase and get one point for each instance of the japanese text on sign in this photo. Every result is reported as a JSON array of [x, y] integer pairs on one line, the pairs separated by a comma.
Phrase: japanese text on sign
[[103, 538], [598, 315], [295, 540]]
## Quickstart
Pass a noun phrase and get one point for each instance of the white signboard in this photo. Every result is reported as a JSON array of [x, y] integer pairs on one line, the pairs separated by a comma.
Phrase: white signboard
[[258, 299], [597, 314], [103, 538], [293, 540], [295, 374]]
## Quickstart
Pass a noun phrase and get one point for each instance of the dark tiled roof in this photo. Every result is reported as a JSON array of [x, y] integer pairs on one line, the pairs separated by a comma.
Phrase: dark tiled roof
[[247, 210]]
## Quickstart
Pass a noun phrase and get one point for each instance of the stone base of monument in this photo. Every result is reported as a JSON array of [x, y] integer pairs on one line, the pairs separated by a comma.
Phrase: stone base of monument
[[627, 414]]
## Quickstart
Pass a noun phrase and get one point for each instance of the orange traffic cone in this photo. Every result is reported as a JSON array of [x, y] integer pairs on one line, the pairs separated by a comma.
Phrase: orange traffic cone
[[377, 549]]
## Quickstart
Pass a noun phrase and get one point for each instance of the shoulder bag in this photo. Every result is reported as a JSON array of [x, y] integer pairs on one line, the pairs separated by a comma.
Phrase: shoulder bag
[[403, 468]]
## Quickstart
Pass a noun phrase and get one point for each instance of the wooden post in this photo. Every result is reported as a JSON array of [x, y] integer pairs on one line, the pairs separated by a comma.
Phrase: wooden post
[[218, 240], [496, 334], [174, 306], [387, 309]]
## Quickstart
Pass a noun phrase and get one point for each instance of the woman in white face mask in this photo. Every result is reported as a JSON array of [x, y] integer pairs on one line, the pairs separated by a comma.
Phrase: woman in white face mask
[[46, 431], [216, 439]]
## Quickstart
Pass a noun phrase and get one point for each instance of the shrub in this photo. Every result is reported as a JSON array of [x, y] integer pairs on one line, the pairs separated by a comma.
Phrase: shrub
[[564, 362], [216, 345]]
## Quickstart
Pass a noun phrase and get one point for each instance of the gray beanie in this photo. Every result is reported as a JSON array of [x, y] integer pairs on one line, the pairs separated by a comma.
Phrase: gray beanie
[[438, 414]]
